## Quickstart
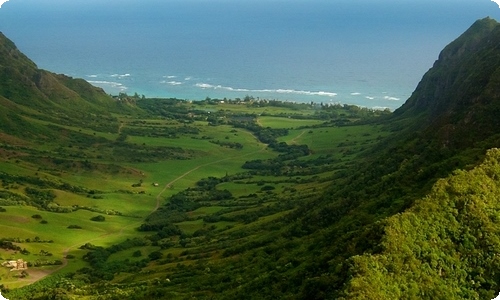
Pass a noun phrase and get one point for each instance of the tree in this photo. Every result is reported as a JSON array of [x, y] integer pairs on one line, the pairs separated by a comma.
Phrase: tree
[[155, 255]]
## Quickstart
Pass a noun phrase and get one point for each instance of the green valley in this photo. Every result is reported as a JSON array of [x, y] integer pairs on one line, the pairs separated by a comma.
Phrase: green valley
[[111, 197]]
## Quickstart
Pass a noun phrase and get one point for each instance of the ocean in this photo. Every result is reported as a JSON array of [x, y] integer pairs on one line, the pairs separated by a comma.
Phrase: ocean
[[363, 52]]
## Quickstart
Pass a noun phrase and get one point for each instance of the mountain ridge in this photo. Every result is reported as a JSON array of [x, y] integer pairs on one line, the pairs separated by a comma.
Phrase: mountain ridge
[[22, 82]]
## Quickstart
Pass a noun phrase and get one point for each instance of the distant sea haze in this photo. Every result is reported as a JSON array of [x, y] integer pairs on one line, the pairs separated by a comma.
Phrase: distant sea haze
[[368, 53]]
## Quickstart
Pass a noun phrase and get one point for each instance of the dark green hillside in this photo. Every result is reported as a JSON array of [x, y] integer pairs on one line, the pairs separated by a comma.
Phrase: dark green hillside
[[444, 247]]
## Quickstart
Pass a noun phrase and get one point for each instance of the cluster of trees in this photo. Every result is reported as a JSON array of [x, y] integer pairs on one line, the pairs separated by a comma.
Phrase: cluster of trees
[[36, 239], [266, 135], [285, 163], [9, 245], [41, 188], [144, 153], [101, 269], [171, 108], [344, 114], [40, 198], [278, 103], [233, 145], [163, 132], [177, 208], [10, 198]]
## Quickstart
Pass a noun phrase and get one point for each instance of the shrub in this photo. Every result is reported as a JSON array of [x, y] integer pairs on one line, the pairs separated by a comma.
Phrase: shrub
[[267, 188], [98, 218], [155, 255]]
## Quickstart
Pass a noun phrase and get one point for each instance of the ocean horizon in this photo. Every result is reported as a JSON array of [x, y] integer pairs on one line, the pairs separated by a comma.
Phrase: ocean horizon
[[363, 52]]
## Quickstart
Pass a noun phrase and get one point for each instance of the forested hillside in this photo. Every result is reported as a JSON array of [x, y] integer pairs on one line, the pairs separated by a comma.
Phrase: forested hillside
[[444, 247]]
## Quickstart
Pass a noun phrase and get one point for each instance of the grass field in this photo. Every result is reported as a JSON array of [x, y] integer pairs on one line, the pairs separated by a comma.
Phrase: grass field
[[333, 140], [286, 122]]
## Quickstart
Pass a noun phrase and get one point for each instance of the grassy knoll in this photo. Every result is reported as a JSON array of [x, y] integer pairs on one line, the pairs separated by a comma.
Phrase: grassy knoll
[[19, 222], [336, 140]]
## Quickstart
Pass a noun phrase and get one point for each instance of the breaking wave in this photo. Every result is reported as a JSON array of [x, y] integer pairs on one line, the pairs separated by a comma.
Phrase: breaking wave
[[121, 76], [172, 82], [391, 98], [277, 91]]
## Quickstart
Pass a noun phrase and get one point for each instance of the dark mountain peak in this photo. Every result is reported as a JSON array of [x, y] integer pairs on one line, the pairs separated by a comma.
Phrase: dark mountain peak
[[459, 97], [462, 71], [468, 42]]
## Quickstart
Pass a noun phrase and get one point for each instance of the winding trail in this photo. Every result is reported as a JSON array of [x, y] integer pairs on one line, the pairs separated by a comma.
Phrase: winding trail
[[36, 275], [294, 140]]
